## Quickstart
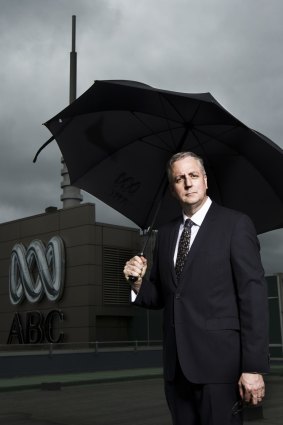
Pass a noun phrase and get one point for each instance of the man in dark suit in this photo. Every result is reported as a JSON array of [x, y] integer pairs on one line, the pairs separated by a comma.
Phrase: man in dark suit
[[210, 283]]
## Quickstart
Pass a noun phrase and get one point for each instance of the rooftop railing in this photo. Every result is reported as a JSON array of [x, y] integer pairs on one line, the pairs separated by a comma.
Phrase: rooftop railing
[[79, 347]]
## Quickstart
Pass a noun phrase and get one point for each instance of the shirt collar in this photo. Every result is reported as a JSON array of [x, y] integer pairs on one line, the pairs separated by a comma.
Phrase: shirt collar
[[198, 217]]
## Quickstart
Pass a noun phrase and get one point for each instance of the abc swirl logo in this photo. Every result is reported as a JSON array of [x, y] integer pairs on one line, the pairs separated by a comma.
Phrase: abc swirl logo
[[37, 271]]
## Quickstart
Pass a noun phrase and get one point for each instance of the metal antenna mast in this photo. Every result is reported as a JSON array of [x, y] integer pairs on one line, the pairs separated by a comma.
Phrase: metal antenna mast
[[71, 195]]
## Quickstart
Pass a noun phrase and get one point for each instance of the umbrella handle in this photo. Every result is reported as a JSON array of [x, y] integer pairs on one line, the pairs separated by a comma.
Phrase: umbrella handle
[[133, 279]]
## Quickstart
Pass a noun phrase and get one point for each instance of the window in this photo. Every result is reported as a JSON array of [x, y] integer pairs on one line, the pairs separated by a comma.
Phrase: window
[[115, 288]]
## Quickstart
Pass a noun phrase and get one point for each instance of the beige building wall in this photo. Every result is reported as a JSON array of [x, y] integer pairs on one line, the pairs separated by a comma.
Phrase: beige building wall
[[94, 253]]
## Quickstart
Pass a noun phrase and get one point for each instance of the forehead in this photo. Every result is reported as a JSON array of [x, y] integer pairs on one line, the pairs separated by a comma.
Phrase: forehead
[[186, 165]]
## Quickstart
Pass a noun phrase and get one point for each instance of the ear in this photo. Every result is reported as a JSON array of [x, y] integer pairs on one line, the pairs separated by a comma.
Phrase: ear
[[205, 179]]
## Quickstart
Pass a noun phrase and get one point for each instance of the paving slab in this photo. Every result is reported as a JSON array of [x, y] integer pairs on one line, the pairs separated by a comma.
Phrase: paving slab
[[136, 402], [127, 402]]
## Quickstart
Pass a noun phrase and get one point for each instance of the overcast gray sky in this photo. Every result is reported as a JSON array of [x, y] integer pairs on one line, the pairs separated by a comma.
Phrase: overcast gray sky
[[231, 48]]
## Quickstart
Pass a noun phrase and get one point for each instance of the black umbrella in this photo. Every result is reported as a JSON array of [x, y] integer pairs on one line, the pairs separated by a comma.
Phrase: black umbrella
[[118, 136]]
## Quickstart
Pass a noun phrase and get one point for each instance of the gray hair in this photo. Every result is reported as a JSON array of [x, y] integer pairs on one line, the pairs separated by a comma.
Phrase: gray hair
[[181, 155]]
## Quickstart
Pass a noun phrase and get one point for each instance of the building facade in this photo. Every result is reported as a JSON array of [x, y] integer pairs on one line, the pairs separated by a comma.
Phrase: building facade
[[61, 280]]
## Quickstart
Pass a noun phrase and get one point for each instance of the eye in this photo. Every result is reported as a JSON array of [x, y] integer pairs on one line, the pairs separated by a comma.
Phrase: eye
[[194, 175]]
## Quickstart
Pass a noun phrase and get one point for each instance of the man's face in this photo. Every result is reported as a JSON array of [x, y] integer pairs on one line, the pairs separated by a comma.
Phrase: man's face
[[189, 183]]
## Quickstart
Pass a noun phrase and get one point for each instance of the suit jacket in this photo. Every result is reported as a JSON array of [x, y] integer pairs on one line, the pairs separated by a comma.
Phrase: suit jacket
[[216, 317]]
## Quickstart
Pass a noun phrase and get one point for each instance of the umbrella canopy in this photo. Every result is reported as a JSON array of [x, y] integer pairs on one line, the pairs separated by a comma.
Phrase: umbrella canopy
[[118, 136]]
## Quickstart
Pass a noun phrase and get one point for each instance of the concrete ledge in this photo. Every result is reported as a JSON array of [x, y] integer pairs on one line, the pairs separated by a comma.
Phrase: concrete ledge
[[77, 363], [49, 382], [51, 386]]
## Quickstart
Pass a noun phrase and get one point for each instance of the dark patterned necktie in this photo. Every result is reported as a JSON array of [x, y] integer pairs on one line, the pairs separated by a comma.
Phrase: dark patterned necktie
[[183, 248]]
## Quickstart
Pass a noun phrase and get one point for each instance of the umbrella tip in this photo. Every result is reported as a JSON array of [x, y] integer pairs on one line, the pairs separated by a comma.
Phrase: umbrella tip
[[42, 147]]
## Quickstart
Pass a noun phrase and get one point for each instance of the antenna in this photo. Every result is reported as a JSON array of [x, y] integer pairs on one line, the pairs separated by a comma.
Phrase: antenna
[[71, 195], [73, 63]]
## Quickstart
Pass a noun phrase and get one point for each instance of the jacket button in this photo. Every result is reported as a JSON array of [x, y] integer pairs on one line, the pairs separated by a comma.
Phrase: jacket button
[[177, 296]]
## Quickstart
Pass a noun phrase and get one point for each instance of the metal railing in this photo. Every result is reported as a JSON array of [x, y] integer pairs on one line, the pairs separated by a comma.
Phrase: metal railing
[[84, 347], [79, 347]]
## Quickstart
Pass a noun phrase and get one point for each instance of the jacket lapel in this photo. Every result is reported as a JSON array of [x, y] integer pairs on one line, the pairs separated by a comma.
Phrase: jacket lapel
[[200, 238], [173, 240]]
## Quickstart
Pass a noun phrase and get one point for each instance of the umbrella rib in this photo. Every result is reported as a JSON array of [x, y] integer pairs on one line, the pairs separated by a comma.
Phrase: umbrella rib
[[152, 131], [162, 101], [161, 189], [51, 139], [219, 134], [187, 123], [156, 146], [42, 147], [162, 98]]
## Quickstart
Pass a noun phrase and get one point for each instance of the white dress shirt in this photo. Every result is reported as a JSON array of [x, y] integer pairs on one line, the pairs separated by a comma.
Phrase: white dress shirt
[[197, 219]]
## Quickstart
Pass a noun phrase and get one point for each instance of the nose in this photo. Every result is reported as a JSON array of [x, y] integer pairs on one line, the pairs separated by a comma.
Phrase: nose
[[187, 181]]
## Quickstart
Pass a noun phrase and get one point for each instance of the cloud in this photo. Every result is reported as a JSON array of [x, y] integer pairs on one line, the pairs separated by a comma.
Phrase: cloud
[[230, 48]]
